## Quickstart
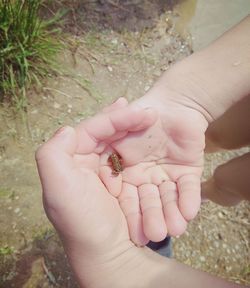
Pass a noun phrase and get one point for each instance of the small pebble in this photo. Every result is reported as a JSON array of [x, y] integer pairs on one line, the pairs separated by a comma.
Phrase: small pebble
[[224, 246], [216, 244], [56, 105], [110, 68], [220, 215], [17, 210], [114, 41], [202, 259]]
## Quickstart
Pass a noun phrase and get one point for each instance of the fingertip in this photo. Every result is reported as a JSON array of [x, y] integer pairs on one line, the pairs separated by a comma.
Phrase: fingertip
[[119, 103], [139, 239], [189, 196], [129, 203], [175, 222], [63, 140], [112, 182], [189, 210], [136, 232], [141, 242], [122, 101], [62, 131], [177, 227], [154, 230]]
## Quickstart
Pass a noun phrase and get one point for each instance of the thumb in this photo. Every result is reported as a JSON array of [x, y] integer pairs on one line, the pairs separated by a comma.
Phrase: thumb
[[55, 159], [63, 140]]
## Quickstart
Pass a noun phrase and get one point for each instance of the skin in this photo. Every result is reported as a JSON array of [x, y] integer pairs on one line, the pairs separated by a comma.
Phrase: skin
[[230, 130], [150, 179], [159, 188], [230, 183], [89, 219], [164, 178]]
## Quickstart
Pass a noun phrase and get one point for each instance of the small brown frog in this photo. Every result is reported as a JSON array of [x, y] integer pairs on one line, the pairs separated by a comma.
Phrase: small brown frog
[[116, 163]]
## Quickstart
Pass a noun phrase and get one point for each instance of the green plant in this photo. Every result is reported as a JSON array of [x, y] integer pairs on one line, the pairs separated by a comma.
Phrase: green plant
[[6, 250], [28, 45], [4, 193]]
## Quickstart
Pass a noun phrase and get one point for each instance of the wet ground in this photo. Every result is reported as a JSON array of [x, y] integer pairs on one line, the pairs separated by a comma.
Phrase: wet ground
[[114, 48]]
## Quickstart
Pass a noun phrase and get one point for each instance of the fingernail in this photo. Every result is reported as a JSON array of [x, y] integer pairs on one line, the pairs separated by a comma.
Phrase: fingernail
[[62, 131], [139, 245], [116, 100]]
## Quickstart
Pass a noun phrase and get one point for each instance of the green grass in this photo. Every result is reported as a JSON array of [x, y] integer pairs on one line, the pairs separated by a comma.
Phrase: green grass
[[43, 234], [4, 193], [6, 250], [28, 46]]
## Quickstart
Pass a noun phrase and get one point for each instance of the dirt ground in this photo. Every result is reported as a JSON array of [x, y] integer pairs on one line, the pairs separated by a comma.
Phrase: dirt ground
[[105, 57]]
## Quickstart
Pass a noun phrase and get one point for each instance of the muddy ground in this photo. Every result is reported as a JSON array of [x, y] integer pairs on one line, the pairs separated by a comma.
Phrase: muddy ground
[[113, 49]]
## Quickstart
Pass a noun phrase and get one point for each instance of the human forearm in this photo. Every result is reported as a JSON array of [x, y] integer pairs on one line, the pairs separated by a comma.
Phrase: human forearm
[[143, 268], [213, 78], [153, 270], [122, 268], [181, 276]]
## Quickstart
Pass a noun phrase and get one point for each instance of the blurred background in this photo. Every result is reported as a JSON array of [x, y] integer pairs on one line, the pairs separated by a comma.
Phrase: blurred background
[[61, 62]]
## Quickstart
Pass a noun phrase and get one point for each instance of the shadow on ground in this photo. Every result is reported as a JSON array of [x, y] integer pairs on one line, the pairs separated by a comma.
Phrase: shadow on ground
[[41, 264], [118, 15]]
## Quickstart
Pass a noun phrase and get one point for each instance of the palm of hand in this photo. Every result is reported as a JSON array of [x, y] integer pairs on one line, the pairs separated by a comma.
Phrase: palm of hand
[[72, 167], [75, 199], [159, 189], [74, 195]]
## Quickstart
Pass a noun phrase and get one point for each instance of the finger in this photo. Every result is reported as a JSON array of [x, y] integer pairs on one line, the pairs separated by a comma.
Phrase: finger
[[55, 160], [158, 175], [154, 225], [112, 182], [129, 203], [136, 174], [116, 136], [175, 222], [62, 144], [105, 125], [119, 103], [189, 195]]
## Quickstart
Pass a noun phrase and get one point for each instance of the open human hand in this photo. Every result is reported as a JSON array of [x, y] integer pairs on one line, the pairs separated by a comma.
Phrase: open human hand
[[87, 217], [89, 220], [159, 187]]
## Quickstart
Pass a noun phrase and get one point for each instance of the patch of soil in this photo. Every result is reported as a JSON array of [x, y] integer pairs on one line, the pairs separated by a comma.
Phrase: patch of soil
[[103, 67], [41, 264], [118, 15]]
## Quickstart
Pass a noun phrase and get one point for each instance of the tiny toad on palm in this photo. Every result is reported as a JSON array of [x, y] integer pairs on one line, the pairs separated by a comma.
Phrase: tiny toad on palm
[[116, 163]]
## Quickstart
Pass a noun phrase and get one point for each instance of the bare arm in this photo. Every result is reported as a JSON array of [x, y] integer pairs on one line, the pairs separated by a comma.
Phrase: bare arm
[[213, 79], [143, 268]]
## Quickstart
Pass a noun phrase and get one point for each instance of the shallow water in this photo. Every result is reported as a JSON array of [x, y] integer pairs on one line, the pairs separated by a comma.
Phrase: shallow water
[[207, 20]]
